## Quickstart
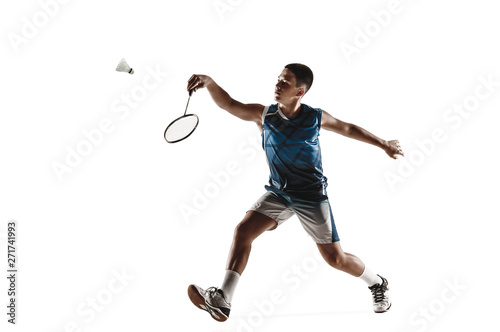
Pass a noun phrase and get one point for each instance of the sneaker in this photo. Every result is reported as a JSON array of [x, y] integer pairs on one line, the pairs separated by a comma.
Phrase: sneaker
[[381, 301], [211, 300]]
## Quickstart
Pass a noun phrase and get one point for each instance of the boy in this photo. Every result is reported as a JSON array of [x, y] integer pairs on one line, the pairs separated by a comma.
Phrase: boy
[[297, 185]]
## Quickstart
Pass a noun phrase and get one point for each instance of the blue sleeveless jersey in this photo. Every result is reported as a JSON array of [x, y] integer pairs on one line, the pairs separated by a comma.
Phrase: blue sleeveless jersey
[[293, 153]]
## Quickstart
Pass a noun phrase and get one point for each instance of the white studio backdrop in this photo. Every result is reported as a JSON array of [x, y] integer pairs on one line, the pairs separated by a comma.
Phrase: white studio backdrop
[[113, 223]]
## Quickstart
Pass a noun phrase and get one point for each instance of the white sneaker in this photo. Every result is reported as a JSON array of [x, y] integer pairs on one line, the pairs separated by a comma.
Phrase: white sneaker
[[381, 300], [211, 300]]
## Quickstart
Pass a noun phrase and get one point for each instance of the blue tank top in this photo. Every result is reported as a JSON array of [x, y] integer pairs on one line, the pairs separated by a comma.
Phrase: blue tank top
[[293, 153]]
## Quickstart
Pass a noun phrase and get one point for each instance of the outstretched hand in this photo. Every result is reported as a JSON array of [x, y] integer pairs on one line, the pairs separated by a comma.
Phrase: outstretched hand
[[393, 149]]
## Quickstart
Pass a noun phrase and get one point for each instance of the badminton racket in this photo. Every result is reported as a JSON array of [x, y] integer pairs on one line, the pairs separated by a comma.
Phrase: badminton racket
[[182, 127]]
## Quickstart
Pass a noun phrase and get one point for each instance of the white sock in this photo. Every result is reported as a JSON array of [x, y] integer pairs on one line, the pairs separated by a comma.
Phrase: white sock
[[370, 278], [229, 284]]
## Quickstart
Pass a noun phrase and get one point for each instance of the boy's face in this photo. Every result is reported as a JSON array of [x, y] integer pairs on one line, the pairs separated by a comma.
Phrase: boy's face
[[286, 89]]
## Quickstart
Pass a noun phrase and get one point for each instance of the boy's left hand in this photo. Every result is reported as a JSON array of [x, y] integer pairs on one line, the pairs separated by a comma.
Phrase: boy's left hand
[[392, 149]]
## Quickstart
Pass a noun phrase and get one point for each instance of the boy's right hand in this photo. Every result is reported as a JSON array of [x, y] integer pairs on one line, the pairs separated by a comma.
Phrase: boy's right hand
[[198, 82]]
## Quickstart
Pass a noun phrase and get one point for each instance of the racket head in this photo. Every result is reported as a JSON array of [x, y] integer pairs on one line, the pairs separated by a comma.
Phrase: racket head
[[181, 128]]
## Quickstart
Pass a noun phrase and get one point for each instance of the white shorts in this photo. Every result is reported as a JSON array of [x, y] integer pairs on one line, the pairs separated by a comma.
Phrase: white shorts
[[315, 217]]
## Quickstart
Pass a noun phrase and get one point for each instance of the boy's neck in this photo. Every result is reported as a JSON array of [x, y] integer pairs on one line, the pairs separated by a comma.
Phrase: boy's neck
[[290, 110]]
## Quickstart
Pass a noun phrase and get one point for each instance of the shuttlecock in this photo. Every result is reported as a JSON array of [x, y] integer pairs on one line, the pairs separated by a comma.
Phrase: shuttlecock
[[124, 67]]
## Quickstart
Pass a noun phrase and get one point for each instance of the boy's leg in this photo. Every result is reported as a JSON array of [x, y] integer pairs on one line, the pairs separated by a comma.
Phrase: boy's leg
[[253, 224], [317, 220], [217, 301], [337, 258]]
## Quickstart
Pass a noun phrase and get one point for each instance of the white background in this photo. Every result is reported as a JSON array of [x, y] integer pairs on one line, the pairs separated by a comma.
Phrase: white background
[[119, 209]]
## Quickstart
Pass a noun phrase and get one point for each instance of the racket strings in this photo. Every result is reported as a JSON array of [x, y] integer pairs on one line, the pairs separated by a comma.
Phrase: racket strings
[[181, 128]]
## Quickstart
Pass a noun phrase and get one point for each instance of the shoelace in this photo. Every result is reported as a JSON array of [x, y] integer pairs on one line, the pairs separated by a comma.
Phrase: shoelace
[[212, 291], [378, 292]]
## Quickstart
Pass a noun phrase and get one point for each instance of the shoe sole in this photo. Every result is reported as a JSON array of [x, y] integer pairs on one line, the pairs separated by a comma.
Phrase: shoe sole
[[379, 312], [199, 301]]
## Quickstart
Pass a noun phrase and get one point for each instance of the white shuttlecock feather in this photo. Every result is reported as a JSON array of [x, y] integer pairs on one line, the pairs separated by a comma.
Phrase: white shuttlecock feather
[[124, 67]]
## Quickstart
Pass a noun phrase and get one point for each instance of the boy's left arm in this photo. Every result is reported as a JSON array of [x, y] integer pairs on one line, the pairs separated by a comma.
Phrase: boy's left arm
[[350, 130]]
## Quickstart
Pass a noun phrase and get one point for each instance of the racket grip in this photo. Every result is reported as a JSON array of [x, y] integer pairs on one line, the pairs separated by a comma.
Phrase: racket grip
[[191, 92]]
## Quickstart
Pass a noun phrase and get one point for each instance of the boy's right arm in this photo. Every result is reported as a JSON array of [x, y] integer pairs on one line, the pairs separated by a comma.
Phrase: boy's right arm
[[247, 112]]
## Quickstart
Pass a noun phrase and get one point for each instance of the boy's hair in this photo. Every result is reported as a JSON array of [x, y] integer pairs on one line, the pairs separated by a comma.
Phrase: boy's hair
[[303, 74]]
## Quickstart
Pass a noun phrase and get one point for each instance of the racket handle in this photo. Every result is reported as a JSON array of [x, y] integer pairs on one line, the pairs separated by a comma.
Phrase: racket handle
[[191, 92]]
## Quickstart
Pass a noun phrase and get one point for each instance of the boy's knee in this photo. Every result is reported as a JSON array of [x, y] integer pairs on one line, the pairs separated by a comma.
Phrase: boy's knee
[[335, 258], [243, 232], [252, 226], [336, 261]]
